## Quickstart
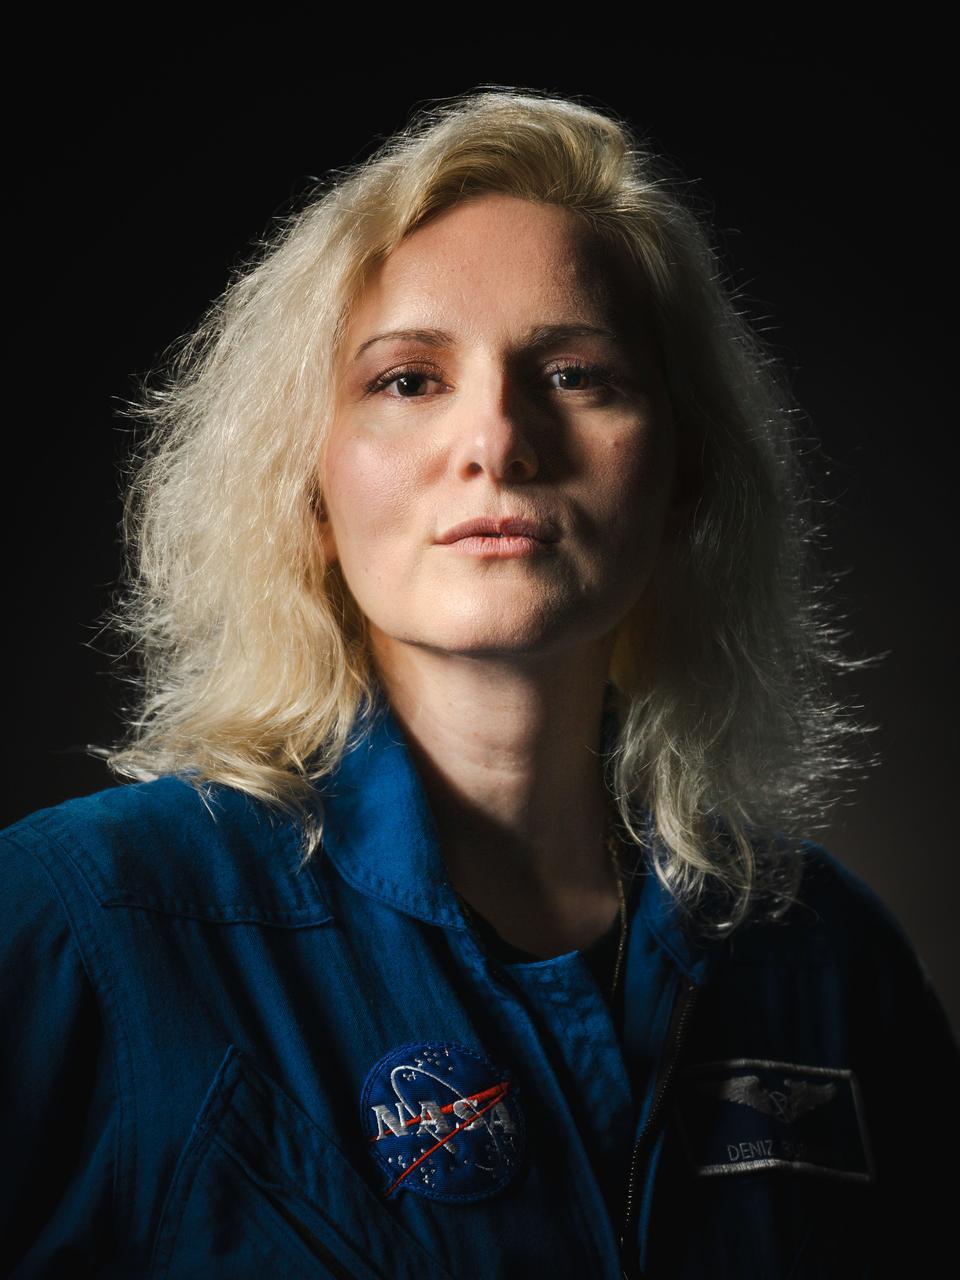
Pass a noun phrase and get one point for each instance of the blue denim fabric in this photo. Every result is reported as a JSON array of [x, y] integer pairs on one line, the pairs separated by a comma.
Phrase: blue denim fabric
[[189, 1026]]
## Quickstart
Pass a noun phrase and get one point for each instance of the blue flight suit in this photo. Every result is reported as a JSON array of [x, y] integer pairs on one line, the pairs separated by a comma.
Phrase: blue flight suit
[[218, 1065]]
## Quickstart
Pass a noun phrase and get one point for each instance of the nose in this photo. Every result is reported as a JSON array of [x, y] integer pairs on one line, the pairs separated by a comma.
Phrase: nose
[[493, 439]]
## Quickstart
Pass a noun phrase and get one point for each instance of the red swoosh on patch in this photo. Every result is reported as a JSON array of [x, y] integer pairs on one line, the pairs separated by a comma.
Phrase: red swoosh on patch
[[500, 1093], [471, 1098]]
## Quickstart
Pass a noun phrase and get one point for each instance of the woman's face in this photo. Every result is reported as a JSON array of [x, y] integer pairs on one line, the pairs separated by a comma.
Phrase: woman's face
[[497, 368]]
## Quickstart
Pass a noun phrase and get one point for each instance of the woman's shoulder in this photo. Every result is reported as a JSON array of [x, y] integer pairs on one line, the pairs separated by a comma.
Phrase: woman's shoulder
[[840, 923], [109, 815], [835, 919], [101, 835], [848, 911], [166, 844]]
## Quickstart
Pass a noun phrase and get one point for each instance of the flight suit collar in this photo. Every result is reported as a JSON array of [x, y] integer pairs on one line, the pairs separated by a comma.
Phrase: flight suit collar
[[380, 834], [379, 830]]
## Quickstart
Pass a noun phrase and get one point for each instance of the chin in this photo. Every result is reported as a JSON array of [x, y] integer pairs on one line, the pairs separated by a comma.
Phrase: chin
[[487, 641], [502, 637]]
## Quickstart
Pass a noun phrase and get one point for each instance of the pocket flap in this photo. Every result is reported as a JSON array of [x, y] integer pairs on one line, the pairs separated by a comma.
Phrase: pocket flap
[[259, 1183]]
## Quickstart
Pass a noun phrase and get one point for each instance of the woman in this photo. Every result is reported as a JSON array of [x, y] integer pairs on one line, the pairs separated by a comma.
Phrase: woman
[[461, 921]]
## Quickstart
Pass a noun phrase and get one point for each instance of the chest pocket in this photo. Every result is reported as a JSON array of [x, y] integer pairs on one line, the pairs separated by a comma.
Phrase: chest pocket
[[260, 1190]]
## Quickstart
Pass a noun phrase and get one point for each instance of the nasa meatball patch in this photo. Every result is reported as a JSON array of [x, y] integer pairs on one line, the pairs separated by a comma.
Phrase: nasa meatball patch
[[443, 1121], [748, 1114]]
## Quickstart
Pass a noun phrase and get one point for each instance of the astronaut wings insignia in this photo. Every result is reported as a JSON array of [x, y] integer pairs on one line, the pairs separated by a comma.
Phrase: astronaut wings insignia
[[744, 1115], [786, 1107]]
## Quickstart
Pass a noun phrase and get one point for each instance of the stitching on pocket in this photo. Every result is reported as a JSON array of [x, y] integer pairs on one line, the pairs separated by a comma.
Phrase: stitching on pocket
[[191, 1159], [267, 1179]]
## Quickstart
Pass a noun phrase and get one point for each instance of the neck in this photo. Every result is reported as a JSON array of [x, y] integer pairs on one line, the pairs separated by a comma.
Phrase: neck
[[508, 752]]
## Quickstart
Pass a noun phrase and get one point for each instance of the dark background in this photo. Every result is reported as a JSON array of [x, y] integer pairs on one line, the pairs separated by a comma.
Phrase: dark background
[[140, 187]]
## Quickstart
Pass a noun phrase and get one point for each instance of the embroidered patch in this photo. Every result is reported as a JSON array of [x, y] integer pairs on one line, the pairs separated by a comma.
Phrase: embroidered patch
[[444, 1121], [747, 1114]]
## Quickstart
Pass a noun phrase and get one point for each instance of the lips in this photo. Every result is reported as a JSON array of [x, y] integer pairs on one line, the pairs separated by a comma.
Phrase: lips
[[502, 527]]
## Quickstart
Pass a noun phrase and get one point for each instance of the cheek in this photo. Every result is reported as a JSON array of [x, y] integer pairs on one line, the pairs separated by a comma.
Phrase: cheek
[[367, 487], [635, 474]]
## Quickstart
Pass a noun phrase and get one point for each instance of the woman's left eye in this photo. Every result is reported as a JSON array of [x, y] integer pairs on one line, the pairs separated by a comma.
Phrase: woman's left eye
[[581, 377]]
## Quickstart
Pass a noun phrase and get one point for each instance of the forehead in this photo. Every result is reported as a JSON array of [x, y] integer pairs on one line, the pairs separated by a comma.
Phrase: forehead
[[496, 261]]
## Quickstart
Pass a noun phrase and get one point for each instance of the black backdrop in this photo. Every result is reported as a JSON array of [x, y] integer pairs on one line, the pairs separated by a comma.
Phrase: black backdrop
[[141, 186]]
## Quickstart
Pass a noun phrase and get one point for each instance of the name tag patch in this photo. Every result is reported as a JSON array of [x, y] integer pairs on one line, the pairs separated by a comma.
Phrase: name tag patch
[[443, 1121], [748, 1113]]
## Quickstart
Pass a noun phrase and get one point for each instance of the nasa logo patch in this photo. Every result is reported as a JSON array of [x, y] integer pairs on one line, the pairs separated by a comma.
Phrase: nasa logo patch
[[443, 1121]]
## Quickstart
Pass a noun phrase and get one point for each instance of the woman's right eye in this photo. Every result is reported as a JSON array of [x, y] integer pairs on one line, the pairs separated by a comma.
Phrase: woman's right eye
[[409, 381]]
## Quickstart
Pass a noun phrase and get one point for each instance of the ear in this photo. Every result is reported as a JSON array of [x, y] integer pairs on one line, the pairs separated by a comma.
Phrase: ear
[[328, 541]]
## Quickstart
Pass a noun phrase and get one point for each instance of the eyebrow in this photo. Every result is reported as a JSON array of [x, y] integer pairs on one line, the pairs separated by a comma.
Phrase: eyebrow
[[540, 335]]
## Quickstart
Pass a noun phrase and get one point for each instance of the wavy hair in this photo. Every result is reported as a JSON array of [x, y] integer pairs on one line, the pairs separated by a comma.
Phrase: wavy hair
[[255, 667]]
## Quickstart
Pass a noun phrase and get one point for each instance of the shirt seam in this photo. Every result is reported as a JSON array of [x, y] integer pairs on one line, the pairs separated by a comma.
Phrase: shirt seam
[[110, 1013]]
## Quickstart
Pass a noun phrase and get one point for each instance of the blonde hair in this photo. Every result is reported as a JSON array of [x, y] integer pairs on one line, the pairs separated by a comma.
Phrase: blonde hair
[[255, 664]]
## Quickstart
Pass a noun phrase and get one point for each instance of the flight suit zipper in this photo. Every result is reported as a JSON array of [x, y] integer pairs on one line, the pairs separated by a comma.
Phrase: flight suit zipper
[[679, 1021]]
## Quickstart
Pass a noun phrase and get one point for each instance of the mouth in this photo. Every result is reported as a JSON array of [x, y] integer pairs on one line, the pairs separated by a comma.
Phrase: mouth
[[502, 527], [504, 547]]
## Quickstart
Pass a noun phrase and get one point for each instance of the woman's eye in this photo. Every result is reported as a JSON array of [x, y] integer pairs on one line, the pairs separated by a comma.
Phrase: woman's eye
[[581, 377], [409, 382]]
